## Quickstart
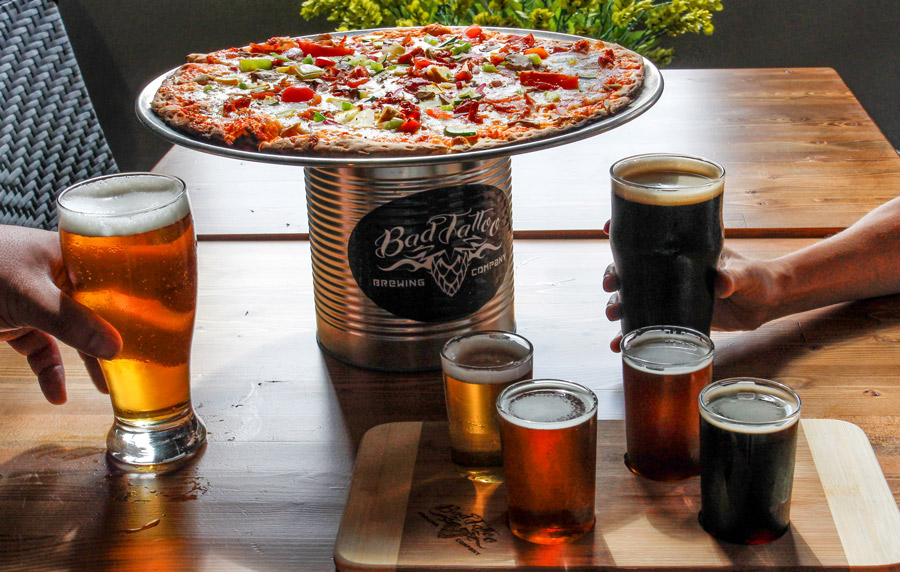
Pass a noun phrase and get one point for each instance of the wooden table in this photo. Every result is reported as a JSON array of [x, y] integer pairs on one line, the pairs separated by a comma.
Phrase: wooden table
[[801, 155], [285, 421]]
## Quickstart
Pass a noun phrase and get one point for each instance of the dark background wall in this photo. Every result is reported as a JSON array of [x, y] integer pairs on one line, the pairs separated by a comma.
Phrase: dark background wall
[[122, 45]]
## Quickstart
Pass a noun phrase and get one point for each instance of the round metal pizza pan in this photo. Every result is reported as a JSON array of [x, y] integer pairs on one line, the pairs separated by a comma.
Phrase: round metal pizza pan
[[649, 95]]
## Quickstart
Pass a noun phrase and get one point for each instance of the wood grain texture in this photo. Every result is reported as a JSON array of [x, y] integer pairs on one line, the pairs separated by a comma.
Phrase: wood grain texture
[[802, 158], [453, 523], [285, 421]]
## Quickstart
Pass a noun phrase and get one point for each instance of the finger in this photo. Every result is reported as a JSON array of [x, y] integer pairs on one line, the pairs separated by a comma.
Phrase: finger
[[610, 278], [725, 283], [54, 312], [46, 363], [616, 343], [613, 308], [94, 370]]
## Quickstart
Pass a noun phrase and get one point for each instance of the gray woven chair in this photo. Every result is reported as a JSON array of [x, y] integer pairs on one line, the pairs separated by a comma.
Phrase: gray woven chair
[[49, 133]]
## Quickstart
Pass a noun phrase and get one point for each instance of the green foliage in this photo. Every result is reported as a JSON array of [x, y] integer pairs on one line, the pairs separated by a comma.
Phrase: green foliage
[[640, 25]]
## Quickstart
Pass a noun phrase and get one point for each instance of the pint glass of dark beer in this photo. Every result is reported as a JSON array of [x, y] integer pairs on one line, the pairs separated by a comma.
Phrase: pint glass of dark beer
[[549, 432], [663, 370], [748, 442], [477, 366], [129, 249], [666, 237]]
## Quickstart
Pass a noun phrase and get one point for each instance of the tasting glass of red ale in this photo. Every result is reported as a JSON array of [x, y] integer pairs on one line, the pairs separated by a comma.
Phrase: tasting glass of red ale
[[130, 252], [666, 237], [663, 370], [549, 432], [748, 443], [476, 367]]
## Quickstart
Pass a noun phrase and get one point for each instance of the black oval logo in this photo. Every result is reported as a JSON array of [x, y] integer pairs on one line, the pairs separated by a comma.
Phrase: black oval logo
[[434, 256]]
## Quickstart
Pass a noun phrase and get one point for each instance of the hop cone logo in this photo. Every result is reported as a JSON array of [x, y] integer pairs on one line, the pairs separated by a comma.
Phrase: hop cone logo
[[449, 271]]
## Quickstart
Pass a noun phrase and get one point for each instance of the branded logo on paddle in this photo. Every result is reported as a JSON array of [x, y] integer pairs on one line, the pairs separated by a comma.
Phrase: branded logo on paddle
[[469, 530], [437, 255]]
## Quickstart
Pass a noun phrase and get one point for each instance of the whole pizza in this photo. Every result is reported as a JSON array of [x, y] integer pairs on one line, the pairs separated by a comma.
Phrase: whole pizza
[[397, 92]]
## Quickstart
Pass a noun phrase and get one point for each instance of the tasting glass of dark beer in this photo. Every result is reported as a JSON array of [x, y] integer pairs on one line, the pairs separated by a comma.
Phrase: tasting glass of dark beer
[[748, 443], [549, 432], [477, 366], [663, 370], [666, 237], [129, 249]]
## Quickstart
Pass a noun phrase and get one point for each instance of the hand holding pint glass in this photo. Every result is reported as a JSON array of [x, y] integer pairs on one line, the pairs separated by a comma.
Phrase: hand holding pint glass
[[130, 252], [666, 234]]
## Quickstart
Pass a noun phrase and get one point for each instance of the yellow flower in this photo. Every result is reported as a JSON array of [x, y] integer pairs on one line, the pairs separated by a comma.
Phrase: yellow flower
[[498, 6], [540, 18], [462, 7], [487, 19]]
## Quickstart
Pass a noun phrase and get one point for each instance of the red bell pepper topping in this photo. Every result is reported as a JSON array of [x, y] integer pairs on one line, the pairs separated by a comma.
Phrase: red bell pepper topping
[[407, 58], [318, 50], [324, 62], [548, 80], [297, 94], [439, 114], [409, 126], [464, 75], [473, 31], [539, 51]]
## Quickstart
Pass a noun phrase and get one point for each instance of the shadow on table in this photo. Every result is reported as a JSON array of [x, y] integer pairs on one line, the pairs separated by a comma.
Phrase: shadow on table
[[766, 352], [65, 508], [368, 398]]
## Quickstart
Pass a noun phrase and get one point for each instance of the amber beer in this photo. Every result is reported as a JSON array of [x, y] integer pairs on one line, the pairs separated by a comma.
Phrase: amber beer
[[549, 433], [476, 367], [748, 444], [666, 235], [130, 252], [663, 371]]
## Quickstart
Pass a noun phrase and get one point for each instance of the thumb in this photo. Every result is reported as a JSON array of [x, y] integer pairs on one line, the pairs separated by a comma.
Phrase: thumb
[[726, 283]]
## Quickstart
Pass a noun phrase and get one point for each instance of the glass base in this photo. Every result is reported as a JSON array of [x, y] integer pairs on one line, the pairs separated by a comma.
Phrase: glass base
[[481, 474], [156, 447]]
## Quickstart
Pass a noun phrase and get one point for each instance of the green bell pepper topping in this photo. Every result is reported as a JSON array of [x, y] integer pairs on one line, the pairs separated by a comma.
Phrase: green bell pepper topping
[[250, 64], [461, 49], [489, 68], [393, 124], [318, 117], [536, 59]]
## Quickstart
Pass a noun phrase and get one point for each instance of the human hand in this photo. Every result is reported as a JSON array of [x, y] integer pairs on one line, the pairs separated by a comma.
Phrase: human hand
[[745, 294], [34, 310]]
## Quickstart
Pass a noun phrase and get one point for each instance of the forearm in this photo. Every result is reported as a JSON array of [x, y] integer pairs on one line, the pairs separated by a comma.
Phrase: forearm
[[861, 262]]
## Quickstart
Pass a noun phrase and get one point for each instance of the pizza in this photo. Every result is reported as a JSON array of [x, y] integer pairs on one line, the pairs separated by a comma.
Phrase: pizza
[[397, 92]]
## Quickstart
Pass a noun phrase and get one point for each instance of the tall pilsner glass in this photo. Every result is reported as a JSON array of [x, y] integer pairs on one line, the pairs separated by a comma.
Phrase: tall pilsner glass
[[129, 249]]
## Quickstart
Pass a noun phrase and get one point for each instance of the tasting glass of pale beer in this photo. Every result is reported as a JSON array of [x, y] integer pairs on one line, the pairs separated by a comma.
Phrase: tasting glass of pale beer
[[548, 429], [664, 368], [748, 444], [130, 252], [476, 367], [666, 237]]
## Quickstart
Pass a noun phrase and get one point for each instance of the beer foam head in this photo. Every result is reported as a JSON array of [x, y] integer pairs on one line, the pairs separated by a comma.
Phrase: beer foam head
[[667, 180], [487, 357], [117, 205], [547, 404], [667, 350], [749, 406]]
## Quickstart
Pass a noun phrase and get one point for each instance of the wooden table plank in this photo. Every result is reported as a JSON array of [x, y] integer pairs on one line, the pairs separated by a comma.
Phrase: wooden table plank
[[285, 421], [802, 158]]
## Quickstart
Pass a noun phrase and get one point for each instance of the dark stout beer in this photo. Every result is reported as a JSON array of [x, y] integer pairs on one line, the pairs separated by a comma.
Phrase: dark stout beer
[[748, 441], [666, 236], [663, 371], [549, 433]]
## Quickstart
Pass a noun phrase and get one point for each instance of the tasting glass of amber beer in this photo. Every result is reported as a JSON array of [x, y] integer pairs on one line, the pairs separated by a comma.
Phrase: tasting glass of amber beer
[[548, 428], [666, 237], [130, 252], [664, 368], [477, 366], [748, 443]]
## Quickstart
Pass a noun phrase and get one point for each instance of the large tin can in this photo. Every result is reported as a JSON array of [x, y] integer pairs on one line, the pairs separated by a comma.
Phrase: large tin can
[[406, 257]]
